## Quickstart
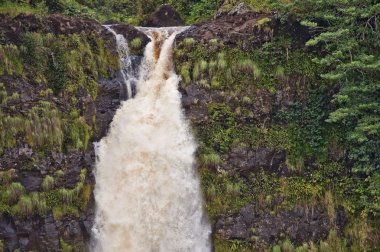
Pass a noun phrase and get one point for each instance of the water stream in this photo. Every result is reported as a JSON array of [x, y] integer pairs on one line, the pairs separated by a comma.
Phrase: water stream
[[147, 191]]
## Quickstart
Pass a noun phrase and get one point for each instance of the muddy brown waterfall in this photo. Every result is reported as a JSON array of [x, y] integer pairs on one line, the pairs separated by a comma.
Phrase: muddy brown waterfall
[[147, 190]]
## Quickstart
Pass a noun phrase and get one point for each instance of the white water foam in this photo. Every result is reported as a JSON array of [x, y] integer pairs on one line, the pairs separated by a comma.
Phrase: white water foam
[[147, 192]]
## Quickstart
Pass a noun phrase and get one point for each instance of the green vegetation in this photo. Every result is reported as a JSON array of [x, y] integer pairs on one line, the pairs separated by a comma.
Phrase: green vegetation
[[326, 121], [129, 11], [66, 66], [61, 201], [316, 130]]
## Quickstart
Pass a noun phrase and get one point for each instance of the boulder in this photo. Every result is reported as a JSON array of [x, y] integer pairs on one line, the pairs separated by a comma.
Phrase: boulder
[[130, 33], [164, 16], [248, 29]]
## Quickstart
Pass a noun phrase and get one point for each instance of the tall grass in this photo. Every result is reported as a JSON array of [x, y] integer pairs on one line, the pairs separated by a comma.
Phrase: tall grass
[[13, 9], [48, 183]]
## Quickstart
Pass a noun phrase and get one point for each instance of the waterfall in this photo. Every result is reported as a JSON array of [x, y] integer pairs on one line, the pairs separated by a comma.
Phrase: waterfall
[[126, 67], [147, 191]]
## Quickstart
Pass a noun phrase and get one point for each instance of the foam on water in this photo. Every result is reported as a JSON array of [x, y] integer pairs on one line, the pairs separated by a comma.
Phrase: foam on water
[[147, 191]]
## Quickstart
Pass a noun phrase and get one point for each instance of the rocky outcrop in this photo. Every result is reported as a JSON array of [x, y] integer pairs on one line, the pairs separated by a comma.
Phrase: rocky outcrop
[[246, 29], [130, 33], [254, 224], [245, 160], [29, 166], [251, 29], [164, 16], [13, 28]]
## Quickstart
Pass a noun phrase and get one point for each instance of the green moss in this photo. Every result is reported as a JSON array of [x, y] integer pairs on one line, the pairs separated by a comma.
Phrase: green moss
[[136, 43]]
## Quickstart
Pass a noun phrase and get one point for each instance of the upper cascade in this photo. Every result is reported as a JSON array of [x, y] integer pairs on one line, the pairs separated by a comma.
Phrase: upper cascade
[[127, 72]]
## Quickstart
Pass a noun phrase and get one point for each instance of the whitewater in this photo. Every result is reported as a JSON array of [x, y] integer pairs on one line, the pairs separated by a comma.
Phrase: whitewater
[[147, 191]]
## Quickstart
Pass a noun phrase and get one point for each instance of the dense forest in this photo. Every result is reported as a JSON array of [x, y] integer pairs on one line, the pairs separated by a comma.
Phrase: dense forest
[[324, 135]]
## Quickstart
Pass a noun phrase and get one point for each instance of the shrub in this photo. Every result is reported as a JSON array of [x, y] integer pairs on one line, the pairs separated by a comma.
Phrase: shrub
[[287, 246], [48, 183], [196, 72], [67, 195], [303, 248], [39, 204], [276, 248], [185, 73], [24, 206], [188, 42], [210, 159], [16, 190]]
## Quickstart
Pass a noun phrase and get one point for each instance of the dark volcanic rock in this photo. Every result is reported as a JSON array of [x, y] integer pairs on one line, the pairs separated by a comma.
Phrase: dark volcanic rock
[[13, 28], [300, 224], [8, 233], [164, 16], [251, 29], [130, 33], [32, 182], [107, 102], [341, 219], [247, 29]]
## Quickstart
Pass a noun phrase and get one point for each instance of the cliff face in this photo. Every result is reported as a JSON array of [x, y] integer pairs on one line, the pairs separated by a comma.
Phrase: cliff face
[[269, 163], [234, 90], [59, 91]]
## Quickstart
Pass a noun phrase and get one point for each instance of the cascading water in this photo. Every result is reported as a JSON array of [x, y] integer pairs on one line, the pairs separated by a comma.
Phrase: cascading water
[[147, 192], [127, 71]]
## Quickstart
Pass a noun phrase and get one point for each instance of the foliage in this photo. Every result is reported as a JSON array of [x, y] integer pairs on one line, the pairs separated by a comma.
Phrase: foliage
[[16, 201], [224, 193], [347, 33]]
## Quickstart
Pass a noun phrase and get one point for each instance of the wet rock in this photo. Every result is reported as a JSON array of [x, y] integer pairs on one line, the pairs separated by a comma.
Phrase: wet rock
[[32, 181], [8, 233], [109, 91], [130, 33], [49, 234], [164, 16], [71, 232]]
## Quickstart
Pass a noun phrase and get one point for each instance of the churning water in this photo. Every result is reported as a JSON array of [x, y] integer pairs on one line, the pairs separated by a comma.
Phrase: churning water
[[147, 192]]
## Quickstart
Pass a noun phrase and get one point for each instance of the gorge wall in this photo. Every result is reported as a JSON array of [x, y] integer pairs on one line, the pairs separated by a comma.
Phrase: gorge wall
[[269, 163]]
